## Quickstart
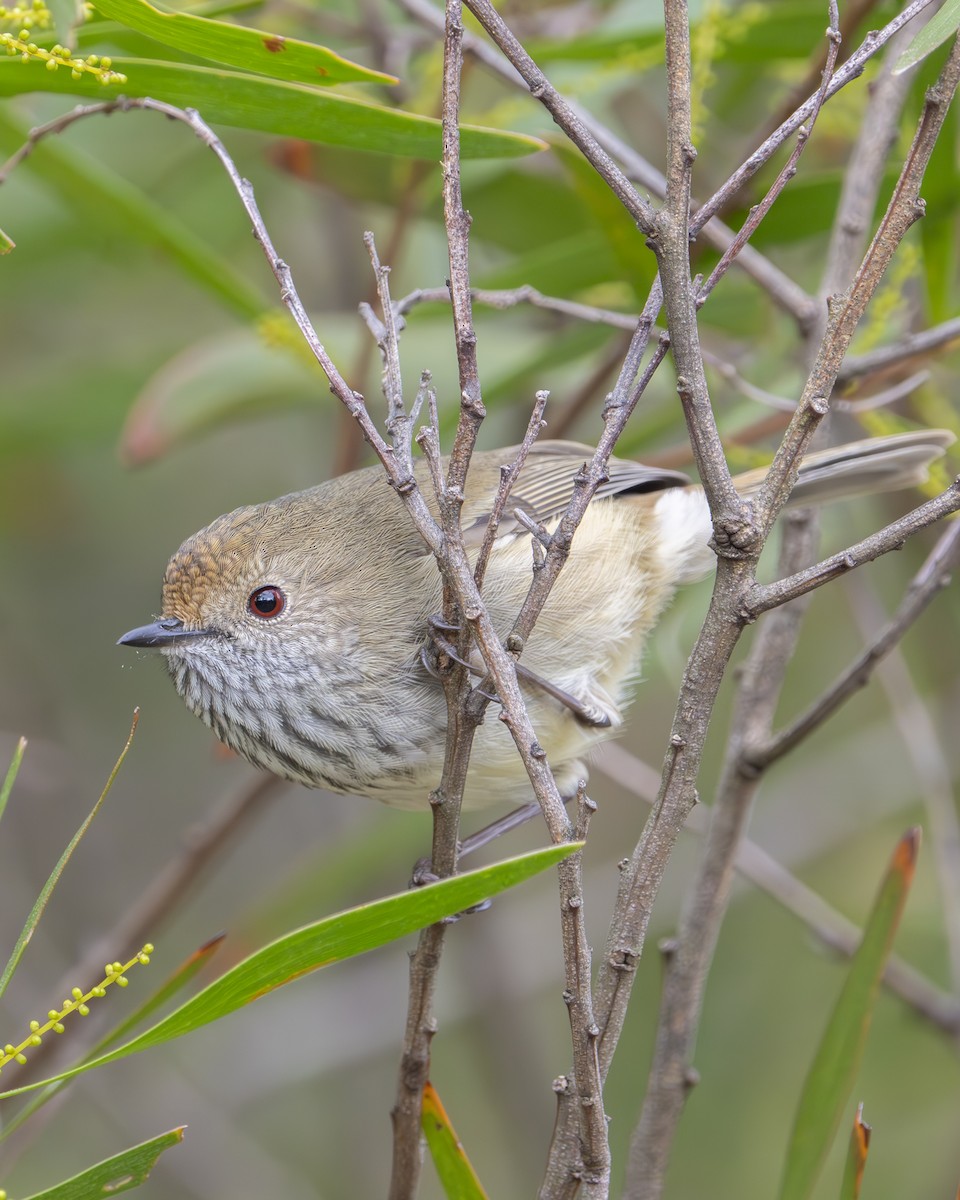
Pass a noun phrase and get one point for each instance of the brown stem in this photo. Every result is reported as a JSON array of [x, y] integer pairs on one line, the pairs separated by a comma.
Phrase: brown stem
[[688, 962]]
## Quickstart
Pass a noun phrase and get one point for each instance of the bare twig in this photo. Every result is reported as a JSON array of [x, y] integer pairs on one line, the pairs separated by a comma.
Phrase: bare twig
[[826, 923], [845, 309], [447, 799], [787, 294], [861, 179], [564, 114], [851, 69], [508, 476], [688, 961], [914, 345], [929, 580], [763, 597], [504, 298], [785, 174]]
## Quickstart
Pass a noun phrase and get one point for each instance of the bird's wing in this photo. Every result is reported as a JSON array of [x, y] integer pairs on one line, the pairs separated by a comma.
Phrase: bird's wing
[[544, 487]]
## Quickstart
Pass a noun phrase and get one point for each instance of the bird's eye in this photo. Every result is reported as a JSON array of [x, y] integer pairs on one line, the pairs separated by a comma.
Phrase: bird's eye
[[267, 602]]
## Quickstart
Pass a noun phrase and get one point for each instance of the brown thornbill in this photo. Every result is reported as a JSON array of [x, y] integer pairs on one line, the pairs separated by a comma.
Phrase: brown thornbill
[[296, 629]]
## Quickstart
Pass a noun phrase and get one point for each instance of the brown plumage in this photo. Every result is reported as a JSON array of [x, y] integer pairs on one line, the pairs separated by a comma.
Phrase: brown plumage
[[294, 629]]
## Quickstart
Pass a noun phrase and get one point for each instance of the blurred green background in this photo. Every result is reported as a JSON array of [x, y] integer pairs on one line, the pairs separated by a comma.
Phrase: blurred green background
[[291, 1097]]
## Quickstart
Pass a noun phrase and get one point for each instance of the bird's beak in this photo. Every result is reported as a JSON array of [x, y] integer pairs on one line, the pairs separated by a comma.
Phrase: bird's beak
[[168, 631]]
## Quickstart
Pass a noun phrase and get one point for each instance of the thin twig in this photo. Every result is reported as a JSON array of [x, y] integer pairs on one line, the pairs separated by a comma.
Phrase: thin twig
[[925, 586], [845, 309], [564, 114], [851, 69], [787, 171], [399, 424], [787, 294], [447, 799], [691, 952], [914, 345], [508, 477], [826, 923], [763, 597], [506, 298]]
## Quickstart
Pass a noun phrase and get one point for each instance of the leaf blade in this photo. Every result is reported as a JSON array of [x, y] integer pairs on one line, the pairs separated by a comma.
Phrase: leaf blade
[[941, 26], [457, 1176], [323, 943], [833, 1070], [36, 912], [128, 1169], [276, 107], [10, 778], [240, 46]]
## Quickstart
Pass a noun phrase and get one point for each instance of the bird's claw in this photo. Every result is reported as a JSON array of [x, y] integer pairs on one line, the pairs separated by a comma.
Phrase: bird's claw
[[423, 875]]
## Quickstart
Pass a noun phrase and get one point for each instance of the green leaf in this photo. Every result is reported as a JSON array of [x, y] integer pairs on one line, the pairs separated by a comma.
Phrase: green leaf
[[213, 382], [456, 1173], [563, 269], [6, 243], [938, 230], [328, 941], [941, 26], [856, 1158], [239, 46], [124, 1171], [12, 774], [41, 902], [837, 1060], [271, 106], [114, 204]]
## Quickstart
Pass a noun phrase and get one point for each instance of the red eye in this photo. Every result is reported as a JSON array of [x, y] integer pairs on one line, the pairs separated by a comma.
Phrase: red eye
[[267, 602]]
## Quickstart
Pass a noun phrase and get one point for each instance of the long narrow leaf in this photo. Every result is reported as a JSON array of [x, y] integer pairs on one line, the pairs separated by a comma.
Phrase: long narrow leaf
[[856, 1157], [124, 1171], [328, 941], [456, 1173], [270, 106], [835, 1065], [12, 774], [239, 46], [941, 26], [41, 902]]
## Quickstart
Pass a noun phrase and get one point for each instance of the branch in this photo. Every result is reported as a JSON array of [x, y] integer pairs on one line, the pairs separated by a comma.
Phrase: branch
[[925, 586], [687, 962], [504, 298], [789, 169], [672, 247], [784, 292], [851, 69], [824, 922], [845, 309], [914, 345], [564, 114], [763, 597]]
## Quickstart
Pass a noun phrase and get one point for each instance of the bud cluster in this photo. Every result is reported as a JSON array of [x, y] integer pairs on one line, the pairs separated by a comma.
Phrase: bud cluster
[[112, 972], [59, 56]]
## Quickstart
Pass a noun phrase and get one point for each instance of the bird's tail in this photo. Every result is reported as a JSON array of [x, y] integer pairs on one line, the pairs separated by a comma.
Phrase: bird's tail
[[881, 464]]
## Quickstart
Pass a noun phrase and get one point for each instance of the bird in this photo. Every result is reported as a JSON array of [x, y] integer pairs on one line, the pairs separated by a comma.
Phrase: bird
[[299, 630]]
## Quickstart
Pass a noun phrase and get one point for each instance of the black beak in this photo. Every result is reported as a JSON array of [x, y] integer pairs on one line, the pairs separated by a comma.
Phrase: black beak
[[168, 631]]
